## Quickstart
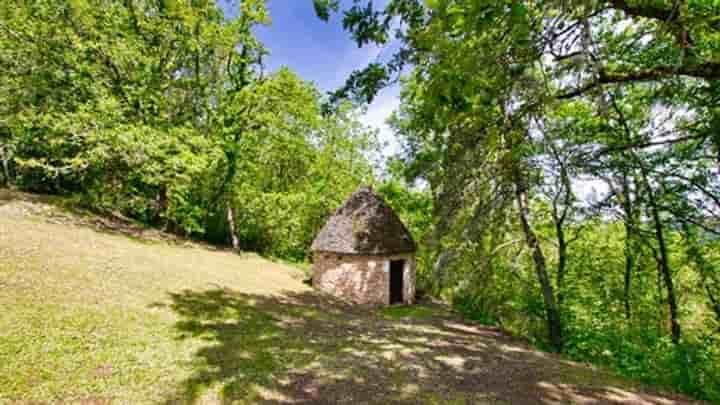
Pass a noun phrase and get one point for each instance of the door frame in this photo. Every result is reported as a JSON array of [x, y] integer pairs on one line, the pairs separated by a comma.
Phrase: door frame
[[403, 267]]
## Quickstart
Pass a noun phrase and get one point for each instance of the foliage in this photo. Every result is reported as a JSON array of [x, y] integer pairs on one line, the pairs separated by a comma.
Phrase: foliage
[[162, 112], [559, 168], [513, 112]]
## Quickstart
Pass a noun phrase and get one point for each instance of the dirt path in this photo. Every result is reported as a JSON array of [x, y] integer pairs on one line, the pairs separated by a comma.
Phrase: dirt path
[[423, 354]]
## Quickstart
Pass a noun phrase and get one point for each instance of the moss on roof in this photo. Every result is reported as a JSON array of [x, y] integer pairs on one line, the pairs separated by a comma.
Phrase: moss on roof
[[364, 224]]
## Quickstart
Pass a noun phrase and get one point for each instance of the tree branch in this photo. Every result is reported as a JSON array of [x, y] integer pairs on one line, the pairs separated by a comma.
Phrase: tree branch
[[647, 144], [706, 70]]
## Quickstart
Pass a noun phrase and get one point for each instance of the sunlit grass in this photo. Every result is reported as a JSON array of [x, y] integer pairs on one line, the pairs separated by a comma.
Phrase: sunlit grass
[[78, 320], [92, 316], [411, 311]]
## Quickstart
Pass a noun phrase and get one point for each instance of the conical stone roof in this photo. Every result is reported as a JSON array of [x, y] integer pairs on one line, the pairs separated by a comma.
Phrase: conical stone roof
[[364, 225]]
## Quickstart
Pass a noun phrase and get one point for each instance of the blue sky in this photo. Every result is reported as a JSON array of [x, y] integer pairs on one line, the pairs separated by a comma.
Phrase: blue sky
[[322, 52]]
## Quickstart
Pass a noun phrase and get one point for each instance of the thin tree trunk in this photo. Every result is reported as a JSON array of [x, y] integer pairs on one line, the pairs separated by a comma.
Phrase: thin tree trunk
[[663, 261], [629, 222], [198, 87], [226, 185], [706, 283], [232, 228], [552, 311], [6, 167], [629, 264], [562, 262], [628, 249], [714, 300], [559, 217], [162, 206], [664, 266], [658, 286]]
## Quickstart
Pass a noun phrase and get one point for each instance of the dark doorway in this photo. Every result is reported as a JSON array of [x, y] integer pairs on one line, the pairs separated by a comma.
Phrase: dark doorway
[[396, 281]]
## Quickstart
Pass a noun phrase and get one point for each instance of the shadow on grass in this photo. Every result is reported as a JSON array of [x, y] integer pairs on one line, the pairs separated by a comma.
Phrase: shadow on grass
[[304, 348]]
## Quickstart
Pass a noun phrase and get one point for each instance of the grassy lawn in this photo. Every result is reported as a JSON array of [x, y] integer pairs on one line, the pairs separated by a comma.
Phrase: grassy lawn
[[90, 315]]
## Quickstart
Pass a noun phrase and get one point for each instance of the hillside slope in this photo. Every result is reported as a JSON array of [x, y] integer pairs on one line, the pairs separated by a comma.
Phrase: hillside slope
[[93, 314]]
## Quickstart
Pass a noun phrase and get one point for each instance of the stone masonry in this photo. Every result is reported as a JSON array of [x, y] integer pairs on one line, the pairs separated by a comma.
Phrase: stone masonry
[[362, 279]]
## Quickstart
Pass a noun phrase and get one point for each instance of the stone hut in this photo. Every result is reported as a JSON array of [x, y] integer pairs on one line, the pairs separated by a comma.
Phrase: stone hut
[[364, 254]]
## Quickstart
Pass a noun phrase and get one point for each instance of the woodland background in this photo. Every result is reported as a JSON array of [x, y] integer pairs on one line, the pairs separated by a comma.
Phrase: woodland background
[[512, 114]]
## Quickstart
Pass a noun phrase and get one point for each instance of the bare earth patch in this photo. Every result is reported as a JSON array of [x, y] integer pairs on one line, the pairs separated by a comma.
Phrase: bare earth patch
[[93, 314]]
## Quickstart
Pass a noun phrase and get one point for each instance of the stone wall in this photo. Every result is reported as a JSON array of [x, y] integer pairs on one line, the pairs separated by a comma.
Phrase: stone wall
[[361, 279]]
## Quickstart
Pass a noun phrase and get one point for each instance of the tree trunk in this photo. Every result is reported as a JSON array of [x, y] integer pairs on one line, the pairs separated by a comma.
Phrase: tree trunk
[[628, 250], [629, 264], [707, 280], [715, 303], [226, 185], [664, 266], [162, 206], [5, 181], [552, 312], [630, 217], [562, 262], [232, 228], [559, 216]]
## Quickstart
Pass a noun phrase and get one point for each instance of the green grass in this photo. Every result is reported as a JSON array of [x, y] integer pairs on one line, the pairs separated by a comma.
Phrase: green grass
[[78, 319], [410, 311], [95, 316]]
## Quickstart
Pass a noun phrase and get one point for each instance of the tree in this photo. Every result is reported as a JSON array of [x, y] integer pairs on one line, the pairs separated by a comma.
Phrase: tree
[[483, 76], [264, 109], [163, 112]]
